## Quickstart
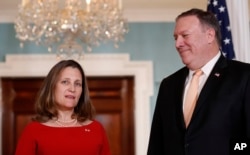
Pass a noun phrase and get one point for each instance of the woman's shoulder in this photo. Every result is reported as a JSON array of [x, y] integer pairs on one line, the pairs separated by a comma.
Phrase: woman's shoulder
[[32, 127], [96, 124], [33, 124]]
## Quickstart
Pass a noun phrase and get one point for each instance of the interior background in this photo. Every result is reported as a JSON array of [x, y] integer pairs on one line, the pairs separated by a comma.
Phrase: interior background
[[150, 34]]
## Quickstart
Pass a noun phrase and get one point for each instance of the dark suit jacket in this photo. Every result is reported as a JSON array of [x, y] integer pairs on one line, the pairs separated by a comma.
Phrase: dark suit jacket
[[222, 112]]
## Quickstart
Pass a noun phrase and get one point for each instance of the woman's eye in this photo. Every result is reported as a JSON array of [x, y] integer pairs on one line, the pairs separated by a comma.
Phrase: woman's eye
[[65, 82], [78, 84]]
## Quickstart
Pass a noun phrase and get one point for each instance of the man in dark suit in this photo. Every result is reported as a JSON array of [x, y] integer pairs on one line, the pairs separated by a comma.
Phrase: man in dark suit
[[222, 108]]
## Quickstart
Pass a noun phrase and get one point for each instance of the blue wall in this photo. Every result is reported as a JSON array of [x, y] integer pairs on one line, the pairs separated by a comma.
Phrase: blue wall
[[145, 41]]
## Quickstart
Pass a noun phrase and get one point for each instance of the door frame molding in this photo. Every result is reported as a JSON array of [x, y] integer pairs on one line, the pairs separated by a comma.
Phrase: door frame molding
[[38, 65]]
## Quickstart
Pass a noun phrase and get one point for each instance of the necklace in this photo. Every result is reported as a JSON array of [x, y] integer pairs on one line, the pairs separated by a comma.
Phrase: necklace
[[70, 123]]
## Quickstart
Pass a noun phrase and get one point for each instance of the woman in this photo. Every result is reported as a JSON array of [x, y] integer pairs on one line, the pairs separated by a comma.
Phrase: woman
[[64, 123]]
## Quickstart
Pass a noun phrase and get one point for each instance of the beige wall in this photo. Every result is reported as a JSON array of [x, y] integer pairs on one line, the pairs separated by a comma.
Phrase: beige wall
[[134, 10]]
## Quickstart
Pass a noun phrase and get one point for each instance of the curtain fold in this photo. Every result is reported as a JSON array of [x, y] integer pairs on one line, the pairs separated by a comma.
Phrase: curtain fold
[[239, 18]]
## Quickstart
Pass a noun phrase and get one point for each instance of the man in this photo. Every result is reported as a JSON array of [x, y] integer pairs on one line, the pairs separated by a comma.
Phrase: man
[[221, 112]]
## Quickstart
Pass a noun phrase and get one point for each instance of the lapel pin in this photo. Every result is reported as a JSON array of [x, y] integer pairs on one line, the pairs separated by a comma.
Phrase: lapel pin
[[87, 130], [217, 74]]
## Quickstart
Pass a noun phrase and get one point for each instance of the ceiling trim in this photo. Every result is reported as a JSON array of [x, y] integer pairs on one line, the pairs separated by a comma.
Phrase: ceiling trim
[[152, 15], [132, 15]]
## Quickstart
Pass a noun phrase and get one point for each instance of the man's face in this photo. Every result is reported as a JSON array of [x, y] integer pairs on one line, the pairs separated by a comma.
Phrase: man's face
[[191, 41]]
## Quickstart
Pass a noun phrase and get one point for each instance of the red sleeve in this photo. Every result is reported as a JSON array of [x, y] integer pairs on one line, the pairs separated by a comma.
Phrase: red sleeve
[[26, 144], [105, 148]]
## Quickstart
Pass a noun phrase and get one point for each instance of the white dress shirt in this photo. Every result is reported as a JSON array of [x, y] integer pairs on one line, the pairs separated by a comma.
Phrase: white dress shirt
[[203, 78]]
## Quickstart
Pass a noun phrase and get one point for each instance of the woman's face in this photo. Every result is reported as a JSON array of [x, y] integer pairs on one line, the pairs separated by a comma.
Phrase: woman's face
[[68, 89]]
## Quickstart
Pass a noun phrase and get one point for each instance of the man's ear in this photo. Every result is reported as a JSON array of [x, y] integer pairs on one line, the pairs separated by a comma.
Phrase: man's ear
[[210, 35]]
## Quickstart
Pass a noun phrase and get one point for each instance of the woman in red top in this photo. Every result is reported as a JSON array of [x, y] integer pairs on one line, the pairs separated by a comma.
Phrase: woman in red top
[[64, 117]]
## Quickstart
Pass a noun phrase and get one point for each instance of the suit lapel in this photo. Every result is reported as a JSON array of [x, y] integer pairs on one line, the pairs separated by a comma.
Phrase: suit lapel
[[211, 84], [179, 106]]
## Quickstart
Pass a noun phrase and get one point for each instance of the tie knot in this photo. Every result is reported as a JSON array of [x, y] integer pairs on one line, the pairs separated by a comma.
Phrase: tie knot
[[198, 72]]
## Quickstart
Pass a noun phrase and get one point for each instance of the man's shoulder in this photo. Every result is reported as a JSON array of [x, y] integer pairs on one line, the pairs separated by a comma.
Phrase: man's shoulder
[[239, 65], [182, 71], [177, 75]]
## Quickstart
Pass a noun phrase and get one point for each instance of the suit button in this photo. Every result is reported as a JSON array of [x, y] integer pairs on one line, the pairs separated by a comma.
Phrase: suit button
[[186, 145]]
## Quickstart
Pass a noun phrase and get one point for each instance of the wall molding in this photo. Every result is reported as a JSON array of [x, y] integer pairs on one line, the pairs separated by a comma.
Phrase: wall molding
[[38, 65], [132, 14]]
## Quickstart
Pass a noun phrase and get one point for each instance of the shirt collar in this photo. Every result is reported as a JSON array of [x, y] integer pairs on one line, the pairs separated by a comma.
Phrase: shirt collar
[[207, 68]]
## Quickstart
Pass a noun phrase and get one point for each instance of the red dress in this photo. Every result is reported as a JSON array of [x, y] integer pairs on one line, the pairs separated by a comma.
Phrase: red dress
[[39, 139]]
